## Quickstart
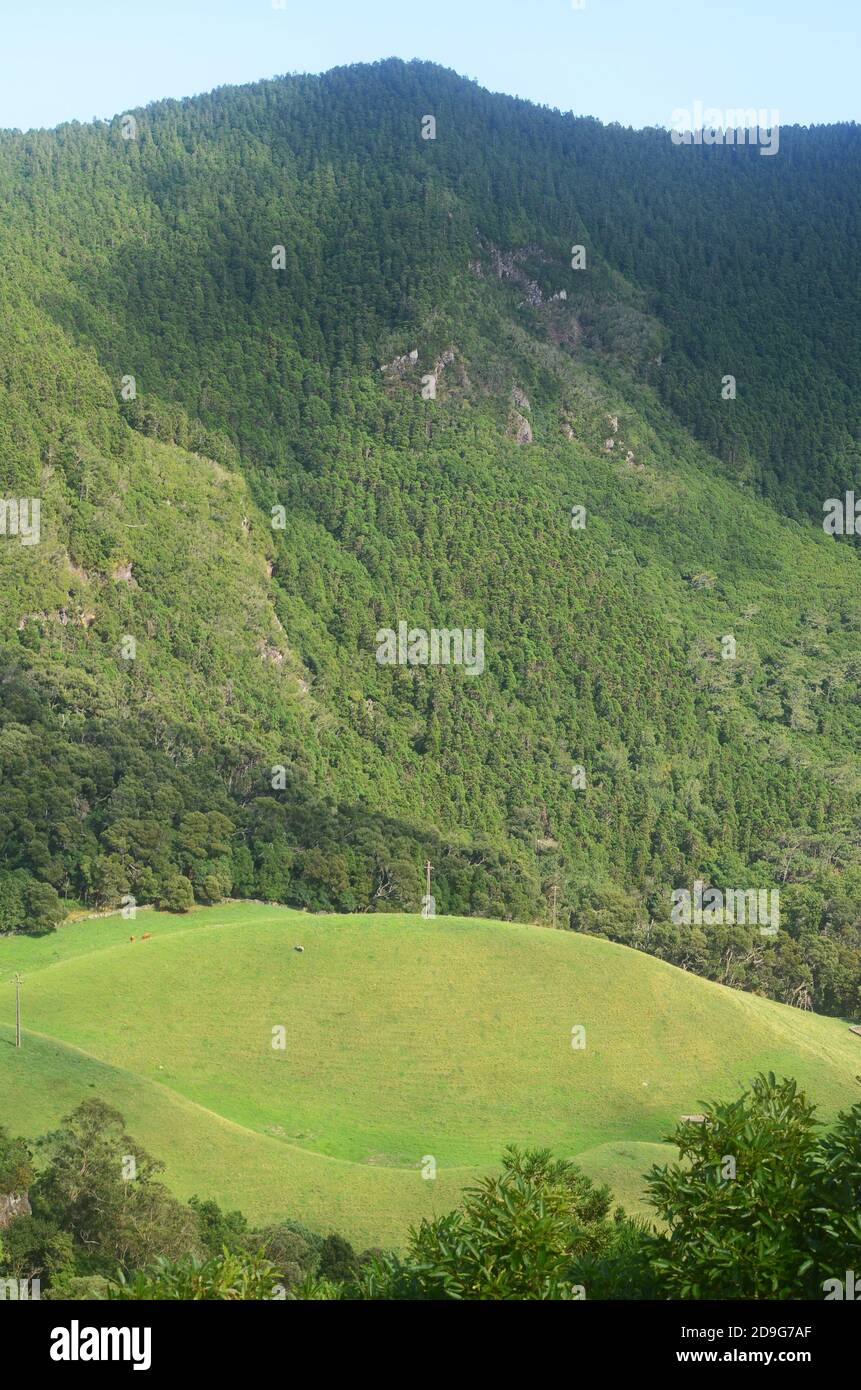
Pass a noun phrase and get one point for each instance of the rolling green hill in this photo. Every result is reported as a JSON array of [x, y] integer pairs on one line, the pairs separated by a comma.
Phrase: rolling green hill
[[405, 1039]]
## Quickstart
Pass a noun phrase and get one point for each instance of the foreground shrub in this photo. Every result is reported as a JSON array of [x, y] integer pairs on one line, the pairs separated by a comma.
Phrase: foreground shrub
[[760, 1206], [228, 1276], [515, 1236]]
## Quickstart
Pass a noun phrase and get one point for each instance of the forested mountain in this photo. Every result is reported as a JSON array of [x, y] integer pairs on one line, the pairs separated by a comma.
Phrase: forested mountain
[[283, 373]]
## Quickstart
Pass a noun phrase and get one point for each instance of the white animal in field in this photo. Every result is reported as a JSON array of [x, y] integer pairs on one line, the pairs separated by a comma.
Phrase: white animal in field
[[298, 948]]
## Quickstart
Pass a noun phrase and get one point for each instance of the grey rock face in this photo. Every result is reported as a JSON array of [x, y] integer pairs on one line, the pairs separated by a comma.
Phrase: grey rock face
[[13, 1204]]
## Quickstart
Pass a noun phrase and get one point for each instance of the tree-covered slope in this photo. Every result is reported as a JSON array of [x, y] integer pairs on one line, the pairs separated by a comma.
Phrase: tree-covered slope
[[253, 743], [158, 247]]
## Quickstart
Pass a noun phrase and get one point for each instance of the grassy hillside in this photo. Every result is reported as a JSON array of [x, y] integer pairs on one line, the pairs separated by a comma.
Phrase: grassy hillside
[[404, 1038]]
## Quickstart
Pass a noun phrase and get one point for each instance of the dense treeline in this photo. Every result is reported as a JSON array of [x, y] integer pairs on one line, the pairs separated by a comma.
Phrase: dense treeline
[[114, 815], [252, 745]]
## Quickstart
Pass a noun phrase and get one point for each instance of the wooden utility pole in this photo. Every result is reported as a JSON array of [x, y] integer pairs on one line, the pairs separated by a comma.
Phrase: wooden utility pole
[[555, 891], [427, 902], [17, 1009]]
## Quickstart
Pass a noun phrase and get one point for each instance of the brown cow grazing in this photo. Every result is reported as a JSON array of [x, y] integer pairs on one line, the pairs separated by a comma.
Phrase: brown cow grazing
[[146, 936]]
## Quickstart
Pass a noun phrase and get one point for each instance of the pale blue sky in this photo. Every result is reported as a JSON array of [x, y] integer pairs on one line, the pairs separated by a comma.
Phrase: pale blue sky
[[633, 61]]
